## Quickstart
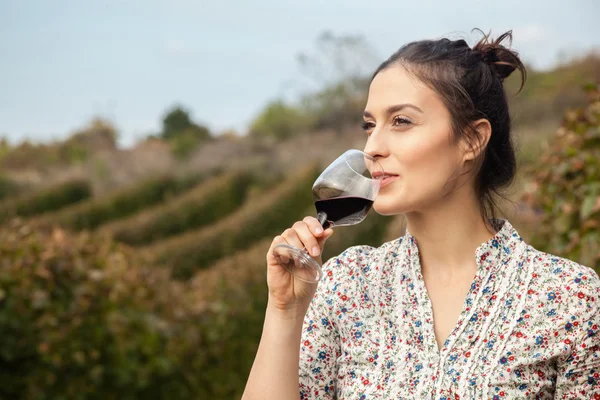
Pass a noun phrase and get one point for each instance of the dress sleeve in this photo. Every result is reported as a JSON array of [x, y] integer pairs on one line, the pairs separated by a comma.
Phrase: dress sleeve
[[579, 372], [320, 344]]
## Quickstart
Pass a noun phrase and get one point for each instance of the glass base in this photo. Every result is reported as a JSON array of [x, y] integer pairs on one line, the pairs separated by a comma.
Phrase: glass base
[[298, 262]]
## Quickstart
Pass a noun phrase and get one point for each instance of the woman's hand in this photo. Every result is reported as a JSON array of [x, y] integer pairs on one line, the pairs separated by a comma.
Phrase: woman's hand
[[288, 295]]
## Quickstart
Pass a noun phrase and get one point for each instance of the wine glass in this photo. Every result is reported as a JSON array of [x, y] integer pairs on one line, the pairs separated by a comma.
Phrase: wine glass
[[343, 195]]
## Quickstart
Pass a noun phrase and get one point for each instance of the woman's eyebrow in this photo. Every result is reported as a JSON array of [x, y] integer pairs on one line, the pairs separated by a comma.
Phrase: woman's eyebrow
[[394, 109]]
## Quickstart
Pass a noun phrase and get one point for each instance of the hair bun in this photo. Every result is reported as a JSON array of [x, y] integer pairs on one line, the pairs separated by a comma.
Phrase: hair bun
[[499, 58]]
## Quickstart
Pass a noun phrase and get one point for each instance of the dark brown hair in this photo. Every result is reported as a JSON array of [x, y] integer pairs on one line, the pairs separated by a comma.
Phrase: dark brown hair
[[469, 82]]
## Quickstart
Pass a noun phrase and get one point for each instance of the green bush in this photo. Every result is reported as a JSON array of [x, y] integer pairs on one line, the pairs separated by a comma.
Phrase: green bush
[[97, 135], [81, 318], [265, 216], [280, 121], [97, 211], [205, 204], [185, 143], [548, 94], [566, 187], [234, 302], [8, 187], [50, 199], [338, 106]]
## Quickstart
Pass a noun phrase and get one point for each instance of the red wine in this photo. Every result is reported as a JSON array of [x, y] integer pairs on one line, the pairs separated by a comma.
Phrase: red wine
[[343, 210]]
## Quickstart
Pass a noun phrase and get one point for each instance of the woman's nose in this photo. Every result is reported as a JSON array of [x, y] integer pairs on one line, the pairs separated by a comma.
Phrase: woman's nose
[[375, 146]]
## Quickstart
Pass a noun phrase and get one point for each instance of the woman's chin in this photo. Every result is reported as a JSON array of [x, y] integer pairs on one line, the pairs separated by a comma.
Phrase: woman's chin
[[384, 207]]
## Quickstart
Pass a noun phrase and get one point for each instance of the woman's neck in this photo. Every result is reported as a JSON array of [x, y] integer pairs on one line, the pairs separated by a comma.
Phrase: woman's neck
[[448, 236]]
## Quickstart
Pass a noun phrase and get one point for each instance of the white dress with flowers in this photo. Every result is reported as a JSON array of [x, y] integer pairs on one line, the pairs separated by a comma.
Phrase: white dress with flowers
[[529, 327]]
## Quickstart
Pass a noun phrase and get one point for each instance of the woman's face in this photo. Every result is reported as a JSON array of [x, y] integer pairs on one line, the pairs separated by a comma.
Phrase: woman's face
[[409, 131]]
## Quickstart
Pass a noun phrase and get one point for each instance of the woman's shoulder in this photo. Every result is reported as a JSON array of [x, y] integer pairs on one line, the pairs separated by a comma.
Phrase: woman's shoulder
[[561, 268], [554, 278]]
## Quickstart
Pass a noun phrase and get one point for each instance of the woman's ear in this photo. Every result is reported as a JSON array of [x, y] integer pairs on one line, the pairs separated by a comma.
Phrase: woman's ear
[[474, 148]]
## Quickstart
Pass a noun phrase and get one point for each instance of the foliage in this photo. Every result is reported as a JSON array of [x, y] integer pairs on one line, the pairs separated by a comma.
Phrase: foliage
[[182, 133], [280, 121], [184, 144], [49, 199], [82, 319], [566, 187], [337, 106], [4, 147], [548, 94], [234, 300], [8, 187], [203, 205], [125, 202], [98, 135], [340, 66], [264, 216]]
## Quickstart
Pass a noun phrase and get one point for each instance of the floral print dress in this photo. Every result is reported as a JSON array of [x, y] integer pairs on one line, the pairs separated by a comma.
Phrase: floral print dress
[[529, 327]]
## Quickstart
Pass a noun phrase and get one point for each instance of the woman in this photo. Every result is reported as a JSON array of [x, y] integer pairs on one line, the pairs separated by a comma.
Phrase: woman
[[460, 306]]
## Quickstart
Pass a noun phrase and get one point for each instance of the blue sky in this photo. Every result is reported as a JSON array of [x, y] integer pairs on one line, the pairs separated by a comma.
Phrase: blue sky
[[65, 61]]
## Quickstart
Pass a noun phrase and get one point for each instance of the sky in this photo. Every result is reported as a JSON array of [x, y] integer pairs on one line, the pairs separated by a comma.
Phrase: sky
[[64, 62]]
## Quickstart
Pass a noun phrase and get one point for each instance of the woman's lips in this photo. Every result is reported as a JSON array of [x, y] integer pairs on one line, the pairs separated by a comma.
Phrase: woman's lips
[[388, 179]]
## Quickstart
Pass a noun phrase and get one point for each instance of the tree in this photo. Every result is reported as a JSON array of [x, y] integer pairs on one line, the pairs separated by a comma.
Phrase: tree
[[565, 187], [182, 133], [279, 121], [341, 65], [177, 121]]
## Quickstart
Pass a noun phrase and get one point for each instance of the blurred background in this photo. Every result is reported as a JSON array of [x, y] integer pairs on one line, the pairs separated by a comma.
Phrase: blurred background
[[150, 151]]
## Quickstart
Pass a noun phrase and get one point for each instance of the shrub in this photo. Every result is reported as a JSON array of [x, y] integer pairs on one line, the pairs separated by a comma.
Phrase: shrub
[[566, 187], [81, 318], [50, 199], [97, 135], [205, 204], [234, 297], [97, 211], [548, 94], [265, 216], [280, 121], [396, 228], [185, 143], [174, 121], [337, 106], [8, 187]]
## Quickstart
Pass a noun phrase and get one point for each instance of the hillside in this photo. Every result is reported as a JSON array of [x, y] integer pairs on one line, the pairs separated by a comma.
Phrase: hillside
[[146, 268], [91, 152]]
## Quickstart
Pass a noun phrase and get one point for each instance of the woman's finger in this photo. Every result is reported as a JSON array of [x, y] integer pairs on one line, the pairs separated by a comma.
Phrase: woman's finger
[[270, 255], [326, 235], [291, 237], [314, 226], [309, 241]]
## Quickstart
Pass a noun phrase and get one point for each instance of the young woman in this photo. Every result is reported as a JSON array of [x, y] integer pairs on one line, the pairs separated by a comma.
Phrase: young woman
[[458, 307]]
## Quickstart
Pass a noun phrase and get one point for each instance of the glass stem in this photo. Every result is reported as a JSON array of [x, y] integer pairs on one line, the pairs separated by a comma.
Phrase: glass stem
[[322, 217]]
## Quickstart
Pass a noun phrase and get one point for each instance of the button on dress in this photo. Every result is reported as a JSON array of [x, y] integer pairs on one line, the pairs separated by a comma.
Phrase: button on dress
[[528, 329]]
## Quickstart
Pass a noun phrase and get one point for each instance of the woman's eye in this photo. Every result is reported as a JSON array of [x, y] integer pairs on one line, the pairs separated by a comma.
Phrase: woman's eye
[[367, 126], [401, 121]]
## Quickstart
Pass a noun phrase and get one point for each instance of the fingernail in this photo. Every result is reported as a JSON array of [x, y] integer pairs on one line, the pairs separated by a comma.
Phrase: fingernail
[[316, 251], [319, 230]]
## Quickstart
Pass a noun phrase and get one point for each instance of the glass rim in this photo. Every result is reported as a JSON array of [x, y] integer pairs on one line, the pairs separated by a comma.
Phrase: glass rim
[[371, 158]]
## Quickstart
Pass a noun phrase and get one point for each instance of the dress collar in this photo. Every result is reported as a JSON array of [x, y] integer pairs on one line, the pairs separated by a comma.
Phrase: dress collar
[[489, 255]]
